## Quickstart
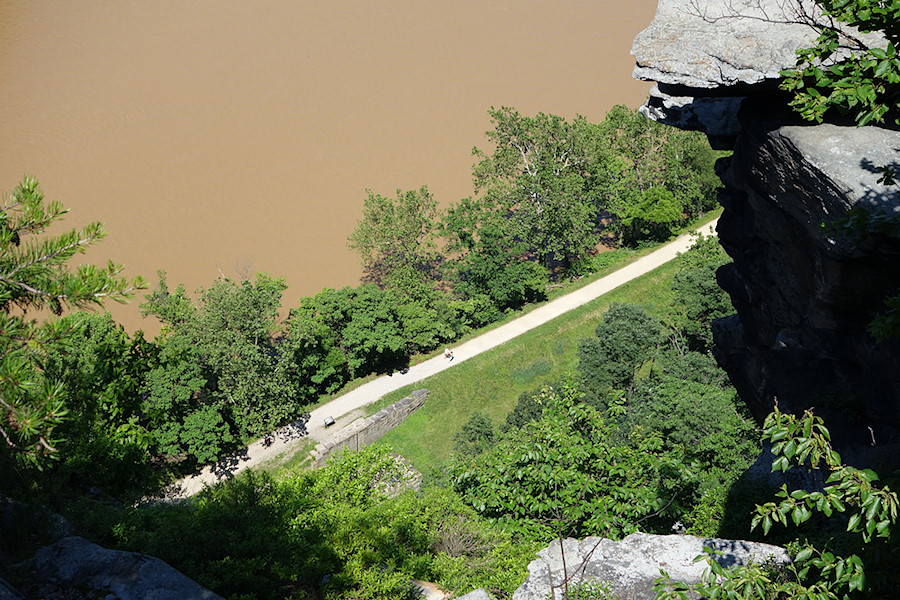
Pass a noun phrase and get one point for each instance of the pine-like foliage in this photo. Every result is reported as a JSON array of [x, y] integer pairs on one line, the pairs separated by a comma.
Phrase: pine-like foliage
[[35, 276]]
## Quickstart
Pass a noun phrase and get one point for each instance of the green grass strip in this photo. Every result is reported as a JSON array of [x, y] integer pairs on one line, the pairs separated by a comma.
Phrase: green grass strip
[[492, 382]]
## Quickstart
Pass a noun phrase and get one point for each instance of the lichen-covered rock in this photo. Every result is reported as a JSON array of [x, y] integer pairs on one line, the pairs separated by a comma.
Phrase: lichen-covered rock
[[75, 564], [709, 44], [629, 566]]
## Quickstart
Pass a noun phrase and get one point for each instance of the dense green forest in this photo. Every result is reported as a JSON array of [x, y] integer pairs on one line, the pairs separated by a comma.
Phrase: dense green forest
[[226, 368], [645, 432]]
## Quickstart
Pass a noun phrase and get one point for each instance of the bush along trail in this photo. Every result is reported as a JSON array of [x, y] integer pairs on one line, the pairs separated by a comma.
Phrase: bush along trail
[[288, 439]]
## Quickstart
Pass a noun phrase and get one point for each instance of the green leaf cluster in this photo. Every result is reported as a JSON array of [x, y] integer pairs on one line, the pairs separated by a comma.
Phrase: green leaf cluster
[[842, 72], [626, 337], [653, 178], [816, 573], [35, 275], [103, 370], [347, 530], [571, 472], [698, 298], [222, 373]]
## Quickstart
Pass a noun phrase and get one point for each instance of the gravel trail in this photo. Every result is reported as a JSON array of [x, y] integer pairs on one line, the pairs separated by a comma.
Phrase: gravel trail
[[345, 408]]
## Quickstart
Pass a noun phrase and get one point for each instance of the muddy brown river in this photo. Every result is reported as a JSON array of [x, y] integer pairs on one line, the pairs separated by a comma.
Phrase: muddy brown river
[[224, 138]]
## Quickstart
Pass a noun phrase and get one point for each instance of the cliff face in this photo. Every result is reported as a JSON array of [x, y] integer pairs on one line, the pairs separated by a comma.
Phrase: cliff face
[[804, 292]]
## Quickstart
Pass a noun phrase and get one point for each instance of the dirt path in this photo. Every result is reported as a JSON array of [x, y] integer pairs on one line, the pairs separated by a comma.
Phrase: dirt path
[[344, 409]]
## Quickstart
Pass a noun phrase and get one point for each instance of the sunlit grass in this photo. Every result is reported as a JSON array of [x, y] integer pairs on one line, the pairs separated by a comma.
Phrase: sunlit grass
[[492, 382]]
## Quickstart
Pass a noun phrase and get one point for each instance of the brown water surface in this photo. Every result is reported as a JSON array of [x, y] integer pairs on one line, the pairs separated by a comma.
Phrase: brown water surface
[[233, 137]]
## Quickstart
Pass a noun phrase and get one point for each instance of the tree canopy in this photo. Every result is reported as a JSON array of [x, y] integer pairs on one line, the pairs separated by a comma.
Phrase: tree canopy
[[35, 275]]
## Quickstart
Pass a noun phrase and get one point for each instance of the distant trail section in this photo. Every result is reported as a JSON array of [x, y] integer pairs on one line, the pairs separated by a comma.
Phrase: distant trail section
[[288, 438]]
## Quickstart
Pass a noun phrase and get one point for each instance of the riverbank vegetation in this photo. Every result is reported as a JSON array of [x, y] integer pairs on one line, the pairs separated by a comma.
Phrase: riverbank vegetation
[[610, 419], [555, 200]]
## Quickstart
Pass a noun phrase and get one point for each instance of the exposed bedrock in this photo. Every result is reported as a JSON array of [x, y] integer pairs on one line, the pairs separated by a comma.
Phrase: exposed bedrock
[[804, 292], [707, 56], [629, 566], [74, 568]]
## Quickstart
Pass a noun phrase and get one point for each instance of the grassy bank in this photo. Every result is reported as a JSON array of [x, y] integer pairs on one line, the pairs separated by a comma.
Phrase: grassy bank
[[492, 382]]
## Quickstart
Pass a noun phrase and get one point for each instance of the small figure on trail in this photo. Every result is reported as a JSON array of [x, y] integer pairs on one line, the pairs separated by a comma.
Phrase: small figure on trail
[[267, 440], [447, 353]]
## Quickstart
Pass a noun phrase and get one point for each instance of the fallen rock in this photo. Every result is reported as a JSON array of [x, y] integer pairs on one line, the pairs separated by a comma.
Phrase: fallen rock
[[74, 564], [629, 566]]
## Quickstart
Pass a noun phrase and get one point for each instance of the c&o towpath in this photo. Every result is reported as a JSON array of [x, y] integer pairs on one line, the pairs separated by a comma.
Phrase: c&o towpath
[[289, 437]]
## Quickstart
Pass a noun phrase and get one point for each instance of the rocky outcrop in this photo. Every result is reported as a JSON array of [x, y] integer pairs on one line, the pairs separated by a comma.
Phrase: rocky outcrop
[[628, 567], [74, 568], [707, 56], [804, 291]]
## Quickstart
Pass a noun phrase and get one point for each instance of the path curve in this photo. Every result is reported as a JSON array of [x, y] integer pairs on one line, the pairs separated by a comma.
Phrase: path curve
[[289, 437]]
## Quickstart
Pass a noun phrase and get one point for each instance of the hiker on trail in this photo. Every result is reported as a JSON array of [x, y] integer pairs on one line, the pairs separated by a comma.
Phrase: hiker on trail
[[448, 353]]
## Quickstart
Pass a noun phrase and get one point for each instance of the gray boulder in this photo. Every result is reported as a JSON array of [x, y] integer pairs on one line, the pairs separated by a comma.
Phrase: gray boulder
[[478, 594], [708, 44], [74, 563], [630, 565]]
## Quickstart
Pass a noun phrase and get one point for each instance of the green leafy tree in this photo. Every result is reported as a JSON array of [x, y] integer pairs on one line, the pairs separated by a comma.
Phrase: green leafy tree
[[627, 336], [567, 474], [397, 235], [688, 400], [528, 408], [314, 338], [374, 334], [341, 531], [698, 298], [475, 436], [655, 216], [176, 390], [34, 276], [222, 372], [490, 261], [103, 369], [653, 177], [841, 71], [536, 179]]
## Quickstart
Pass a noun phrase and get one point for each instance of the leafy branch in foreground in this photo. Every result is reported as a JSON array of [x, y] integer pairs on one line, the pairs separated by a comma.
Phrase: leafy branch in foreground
[[34, 275], [843, 72], [815, 574]]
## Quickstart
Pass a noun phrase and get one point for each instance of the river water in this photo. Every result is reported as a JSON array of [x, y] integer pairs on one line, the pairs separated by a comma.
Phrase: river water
[[224, 138]]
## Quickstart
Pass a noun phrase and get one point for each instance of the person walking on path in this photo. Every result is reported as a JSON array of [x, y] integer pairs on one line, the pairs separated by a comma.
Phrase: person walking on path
[[374, 390]]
